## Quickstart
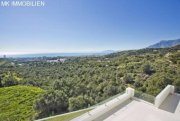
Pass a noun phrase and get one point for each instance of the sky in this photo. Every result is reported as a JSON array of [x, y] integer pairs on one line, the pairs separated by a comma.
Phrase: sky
[[88, 25]]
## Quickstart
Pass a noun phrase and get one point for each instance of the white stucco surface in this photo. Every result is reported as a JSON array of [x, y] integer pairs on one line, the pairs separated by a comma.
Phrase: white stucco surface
[[163, 95], [141, 111]]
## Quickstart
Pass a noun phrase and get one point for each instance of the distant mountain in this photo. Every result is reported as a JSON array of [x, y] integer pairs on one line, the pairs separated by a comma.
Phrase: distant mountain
[[166, 43]]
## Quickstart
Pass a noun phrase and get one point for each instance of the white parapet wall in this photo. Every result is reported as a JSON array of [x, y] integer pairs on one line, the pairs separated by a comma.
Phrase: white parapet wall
[[130, 92], [104, 108], [163, 95]]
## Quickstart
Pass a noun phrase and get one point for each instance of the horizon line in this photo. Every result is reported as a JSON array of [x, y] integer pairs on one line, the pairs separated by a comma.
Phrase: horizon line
[[29, 53]]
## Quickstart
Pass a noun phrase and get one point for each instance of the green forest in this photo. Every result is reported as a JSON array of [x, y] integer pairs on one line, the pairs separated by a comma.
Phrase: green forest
[[80, 82]]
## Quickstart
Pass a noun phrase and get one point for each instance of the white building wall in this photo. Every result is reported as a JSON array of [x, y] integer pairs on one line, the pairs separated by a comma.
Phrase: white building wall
[[163, 95]]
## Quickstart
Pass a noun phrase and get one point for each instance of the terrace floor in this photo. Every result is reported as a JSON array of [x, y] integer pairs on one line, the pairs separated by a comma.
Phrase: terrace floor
[[171, 104], [138, 110]]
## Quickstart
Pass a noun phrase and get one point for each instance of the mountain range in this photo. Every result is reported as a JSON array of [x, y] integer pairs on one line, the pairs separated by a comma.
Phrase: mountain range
[[165, 44]]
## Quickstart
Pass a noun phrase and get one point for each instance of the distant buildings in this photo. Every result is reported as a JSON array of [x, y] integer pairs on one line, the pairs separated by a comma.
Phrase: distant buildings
[[57, 60]]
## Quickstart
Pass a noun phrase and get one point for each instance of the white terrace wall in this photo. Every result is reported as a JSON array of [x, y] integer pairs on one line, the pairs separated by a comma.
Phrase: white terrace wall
[[102, 109], [163, 95]]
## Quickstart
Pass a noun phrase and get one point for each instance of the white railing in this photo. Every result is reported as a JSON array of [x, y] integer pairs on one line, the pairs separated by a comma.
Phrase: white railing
[[163, 95], [102, 109]]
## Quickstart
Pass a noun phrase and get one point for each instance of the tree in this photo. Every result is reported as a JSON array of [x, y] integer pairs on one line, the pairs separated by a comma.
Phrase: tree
[[52, 102], [110, 90], [138, 84], [175, 58], [9, 81], [128, 78], [79, 102], [1, 81], [65, 85], [147, 69], [158, 82]]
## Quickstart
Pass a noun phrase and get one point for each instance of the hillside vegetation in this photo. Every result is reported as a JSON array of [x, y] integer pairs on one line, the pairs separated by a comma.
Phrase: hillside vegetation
[[16, 102], [80, 82]]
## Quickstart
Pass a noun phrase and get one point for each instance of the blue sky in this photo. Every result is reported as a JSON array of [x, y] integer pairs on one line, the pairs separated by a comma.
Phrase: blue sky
[[88, 25]]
